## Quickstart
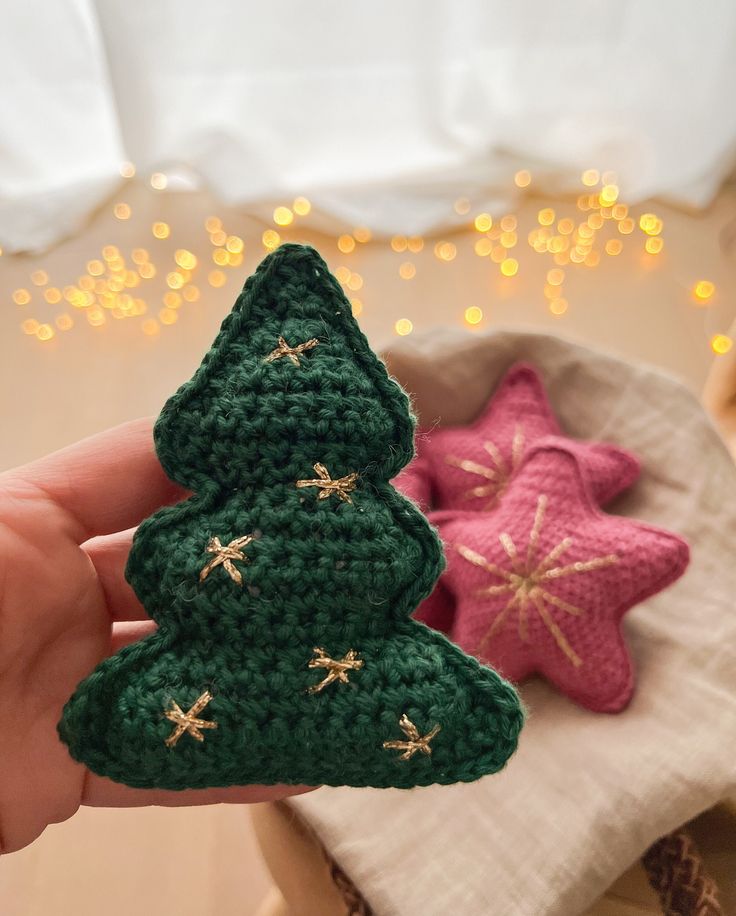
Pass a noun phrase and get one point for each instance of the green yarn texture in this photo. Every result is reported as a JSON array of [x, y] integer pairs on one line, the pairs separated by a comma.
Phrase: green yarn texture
[[320, 572]]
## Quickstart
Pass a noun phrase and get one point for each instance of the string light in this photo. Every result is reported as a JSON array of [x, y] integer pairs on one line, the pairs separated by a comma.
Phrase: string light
[[301, 206], [509, 267], [483, 222], [161, 230], [720, 343], [346, 244], [654, 245], [704, 290], [403, 327], [473, 315], [283, 216], [523, 178], [407, 271], [590, 177]]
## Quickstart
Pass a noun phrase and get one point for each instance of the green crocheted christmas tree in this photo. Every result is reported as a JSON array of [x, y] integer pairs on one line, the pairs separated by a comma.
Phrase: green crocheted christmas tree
[[283, 588]]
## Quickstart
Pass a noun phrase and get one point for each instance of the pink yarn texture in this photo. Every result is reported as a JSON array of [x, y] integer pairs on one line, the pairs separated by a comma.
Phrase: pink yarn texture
[[541, 584], [469, 467], [538, 577]]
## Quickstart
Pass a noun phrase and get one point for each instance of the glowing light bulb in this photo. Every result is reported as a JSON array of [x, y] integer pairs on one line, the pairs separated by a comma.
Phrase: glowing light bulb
[[283, 216], [483, 222], [720, 343]]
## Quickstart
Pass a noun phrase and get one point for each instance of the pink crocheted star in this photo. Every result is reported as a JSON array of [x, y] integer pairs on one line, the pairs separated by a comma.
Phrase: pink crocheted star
[[541, 584], [470, 467]]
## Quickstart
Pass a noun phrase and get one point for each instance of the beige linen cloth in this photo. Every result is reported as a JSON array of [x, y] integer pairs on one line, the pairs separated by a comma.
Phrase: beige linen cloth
[[585, 794]]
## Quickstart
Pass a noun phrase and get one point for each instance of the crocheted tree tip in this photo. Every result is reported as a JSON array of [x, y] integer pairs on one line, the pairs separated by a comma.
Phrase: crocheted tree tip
[[283, 588], [470, 467], [542, 583]]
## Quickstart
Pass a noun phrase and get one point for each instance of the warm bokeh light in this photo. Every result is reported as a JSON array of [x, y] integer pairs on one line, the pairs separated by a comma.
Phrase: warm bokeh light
[[161, 230], [654, 245], [558, 306], [704, 290], [445, 251], [720, 343], [509, 267], [357, 307], [523, 178], [462, 206], [614, 247], [283, 216], [270, 239], [403, 327], [473, 315], [52, 295], [555, 277], [608, 195], [483, 222], [127, 169], [399, 243], [216, 278], [122, 211], [546, 216], [362, 234], [21, 297], [301, 206], [483, 247], [346, 244], [415, 244], [590, 177], [159, 181], [185, 259], [150, 327], [407, 271]]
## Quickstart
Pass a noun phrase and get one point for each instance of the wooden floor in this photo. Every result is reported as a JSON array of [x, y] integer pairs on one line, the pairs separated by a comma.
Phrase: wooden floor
[[200, 862]]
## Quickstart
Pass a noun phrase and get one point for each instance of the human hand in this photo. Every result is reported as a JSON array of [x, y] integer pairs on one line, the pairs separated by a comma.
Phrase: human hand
[[65, 532]]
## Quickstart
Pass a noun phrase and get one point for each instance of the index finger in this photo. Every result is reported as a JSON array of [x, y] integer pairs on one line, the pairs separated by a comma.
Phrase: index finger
[[106, 483]]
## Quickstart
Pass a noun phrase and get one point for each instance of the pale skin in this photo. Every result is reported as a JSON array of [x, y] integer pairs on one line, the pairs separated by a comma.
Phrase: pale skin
[[66, 524]]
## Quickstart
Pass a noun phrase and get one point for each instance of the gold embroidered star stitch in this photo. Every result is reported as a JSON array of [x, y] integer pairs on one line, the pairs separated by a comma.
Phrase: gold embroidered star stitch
[[498, 477], [188, 721], [292, 353], [225, 554], [337, 669], [342, 486], [527, 580], [416, 741]]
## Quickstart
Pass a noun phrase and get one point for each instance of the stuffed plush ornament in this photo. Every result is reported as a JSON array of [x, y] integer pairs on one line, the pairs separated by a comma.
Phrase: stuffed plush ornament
[[538, 578], [283, 587]]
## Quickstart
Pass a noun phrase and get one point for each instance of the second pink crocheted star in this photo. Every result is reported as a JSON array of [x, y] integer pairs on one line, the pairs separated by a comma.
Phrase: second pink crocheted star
[[470, 467]]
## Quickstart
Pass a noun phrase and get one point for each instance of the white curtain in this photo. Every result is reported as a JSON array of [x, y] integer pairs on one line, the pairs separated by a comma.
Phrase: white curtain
[[382, 114]]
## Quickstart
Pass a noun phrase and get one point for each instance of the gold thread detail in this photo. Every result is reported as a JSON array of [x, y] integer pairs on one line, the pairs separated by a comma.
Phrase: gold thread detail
[[416, 741], [498, 476], [293, 353], [526, 579], [225, 554], [337, 669], [188, 721], [342, 486]]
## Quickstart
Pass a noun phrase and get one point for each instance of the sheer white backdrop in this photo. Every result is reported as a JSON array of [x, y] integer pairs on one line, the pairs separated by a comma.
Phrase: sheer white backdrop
[[383, 114]]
